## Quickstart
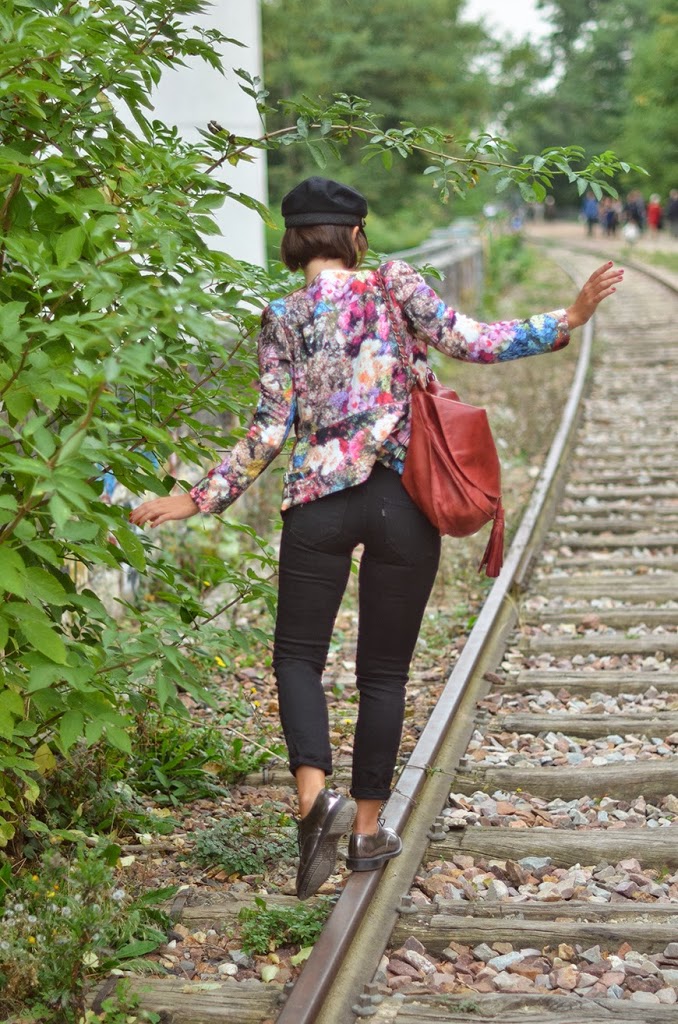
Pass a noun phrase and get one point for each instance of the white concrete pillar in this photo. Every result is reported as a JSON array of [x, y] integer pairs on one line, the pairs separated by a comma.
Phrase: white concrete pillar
[[191, 97]]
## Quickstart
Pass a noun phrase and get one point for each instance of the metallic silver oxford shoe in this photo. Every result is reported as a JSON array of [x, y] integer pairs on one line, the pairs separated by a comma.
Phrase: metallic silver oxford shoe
[[330, 818], [368, 852]]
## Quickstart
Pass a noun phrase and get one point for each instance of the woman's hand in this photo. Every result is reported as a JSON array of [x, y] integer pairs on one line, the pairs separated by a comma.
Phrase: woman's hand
[[601, 283], [162, 510]]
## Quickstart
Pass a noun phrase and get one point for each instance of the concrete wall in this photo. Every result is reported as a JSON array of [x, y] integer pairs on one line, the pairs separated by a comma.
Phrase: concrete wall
[[191, 97]]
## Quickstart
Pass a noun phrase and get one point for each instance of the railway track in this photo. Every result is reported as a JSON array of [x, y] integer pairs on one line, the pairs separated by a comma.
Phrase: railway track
[[539, 875]]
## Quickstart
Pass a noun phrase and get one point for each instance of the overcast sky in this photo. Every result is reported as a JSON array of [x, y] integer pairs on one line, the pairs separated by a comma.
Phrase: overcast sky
[[518, 17]]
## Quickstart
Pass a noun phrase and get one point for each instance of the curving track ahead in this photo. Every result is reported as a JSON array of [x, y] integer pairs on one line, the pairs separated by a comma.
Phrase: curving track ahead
[[587, 606]]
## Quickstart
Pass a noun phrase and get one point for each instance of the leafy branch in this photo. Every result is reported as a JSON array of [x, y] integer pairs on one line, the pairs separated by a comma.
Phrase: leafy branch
[[456, 164]]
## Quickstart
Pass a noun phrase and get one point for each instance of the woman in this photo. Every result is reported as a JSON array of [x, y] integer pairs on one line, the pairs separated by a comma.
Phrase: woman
[[330, 365], [654, 213]]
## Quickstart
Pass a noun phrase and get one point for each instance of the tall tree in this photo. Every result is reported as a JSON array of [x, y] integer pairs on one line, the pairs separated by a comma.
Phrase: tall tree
[[574, 87], [650, 124], [413, 61]]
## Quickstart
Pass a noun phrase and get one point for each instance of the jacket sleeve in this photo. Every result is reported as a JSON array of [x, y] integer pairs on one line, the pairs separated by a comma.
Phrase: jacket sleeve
[[463, 338], [268, 428]]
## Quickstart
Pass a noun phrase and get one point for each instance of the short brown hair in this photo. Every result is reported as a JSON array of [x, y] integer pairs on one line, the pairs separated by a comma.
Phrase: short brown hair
[[323, 241]]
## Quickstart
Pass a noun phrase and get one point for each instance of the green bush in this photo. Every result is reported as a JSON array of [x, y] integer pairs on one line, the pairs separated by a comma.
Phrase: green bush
[[175, 759], [114, 315], [89, 792], [65, 922], [264, 929], [245, 844], [121, 1008]]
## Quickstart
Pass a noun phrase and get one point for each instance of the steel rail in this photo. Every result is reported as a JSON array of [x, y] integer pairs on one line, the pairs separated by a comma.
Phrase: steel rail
[[350, 947]]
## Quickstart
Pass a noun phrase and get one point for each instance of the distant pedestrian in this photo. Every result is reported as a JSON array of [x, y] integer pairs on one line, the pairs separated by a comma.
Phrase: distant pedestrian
[[655, 216], [590, 211], [672, 212], [331, 369], [609, 215], [634, 210]]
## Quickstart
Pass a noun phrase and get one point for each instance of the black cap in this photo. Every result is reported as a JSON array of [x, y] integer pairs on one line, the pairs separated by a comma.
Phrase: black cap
[[323, 201]]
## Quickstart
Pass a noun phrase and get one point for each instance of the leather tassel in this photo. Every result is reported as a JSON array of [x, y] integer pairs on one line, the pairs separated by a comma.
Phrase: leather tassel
[[493, 559]]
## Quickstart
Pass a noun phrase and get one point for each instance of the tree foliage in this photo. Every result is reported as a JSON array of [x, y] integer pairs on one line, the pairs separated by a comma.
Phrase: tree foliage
[[126, 345], [415, 62], [650, 124], [116, 322], [606, 76]]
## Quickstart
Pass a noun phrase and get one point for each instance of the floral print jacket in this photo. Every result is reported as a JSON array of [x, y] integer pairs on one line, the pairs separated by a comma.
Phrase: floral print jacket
[[330, 367]]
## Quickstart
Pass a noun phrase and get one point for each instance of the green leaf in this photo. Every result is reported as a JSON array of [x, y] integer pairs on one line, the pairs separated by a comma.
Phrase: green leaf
[[12, 702], [69, 246], [94, 731], [111, 854], [132, 548], [138, 948], [37, 827], [156, 897], [43, 586], [6, 720], [303, 954], [12, 571], [38, 631], [7, 831], [165, 689], [318, 154], [539, 192], [11, 707], [42, 674], [71, 728], [59, 510], [118, 738], [526, 191], [19, 401]]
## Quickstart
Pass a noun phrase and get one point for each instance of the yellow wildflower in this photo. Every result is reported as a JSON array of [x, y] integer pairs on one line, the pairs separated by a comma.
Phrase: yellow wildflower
[[220, 662], [31, 940]]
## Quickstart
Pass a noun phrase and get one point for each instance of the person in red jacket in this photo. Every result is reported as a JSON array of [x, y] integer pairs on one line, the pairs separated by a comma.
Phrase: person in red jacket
[[654, 213]]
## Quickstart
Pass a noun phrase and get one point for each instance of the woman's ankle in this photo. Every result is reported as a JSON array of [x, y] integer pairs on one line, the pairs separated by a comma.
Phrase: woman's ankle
[[367, 817], [310, 782]]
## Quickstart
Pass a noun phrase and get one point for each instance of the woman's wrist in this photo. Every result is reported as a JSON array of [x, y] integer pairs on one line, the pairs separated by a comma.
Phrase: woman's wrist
[[574, 320]]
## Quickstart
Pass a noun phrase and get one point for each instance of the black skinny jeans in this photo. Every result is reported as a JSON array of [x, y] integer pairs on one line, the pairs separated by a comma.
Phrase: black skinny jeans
[[397, 570]]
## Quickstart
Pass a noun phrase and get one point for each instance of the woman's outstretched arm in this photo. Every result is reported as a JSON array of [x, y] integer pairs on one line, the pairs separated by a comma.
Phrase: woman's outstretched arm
[[463, 338], [261, 444]]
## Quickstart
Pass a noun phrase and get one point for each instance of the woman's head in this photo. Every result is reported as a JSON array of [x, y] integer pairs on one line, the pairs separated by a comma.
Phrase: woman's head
[[323, 220], [323, 241]]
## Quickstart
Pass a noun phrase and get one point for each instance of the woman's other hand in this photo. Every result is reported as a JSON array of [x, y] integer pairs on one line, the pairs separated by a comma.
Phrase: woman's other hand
[[601, 283], [163, 510]]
